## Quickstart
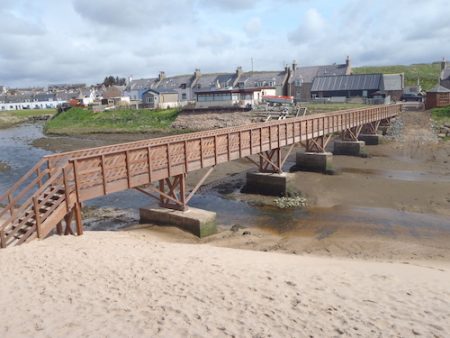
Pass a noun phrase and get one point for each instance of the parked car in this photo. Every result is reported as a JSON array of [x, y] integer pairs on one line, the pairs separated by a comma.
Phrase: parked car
[[411, 97]]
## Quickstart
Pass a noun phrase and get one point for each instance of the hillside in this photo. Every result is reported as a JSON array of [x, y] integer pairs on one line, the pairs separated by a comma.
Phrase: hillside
[[427, 73]]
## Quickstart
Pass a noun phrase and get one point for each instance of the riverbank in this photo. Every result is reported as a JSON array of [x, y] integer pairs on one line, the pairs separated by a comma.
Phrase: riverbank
[[79, 121], [11, 118], [131, 284]]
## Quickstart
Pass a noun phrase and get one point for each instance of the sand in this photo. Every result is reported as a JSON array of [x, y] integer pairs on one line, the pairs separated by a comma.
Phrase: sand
[[128, 284]]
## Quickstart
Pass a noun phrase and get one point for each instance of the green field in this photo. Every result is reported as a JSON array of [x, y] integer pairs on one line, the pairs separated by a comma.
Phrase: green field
[[427, 73], [13, 117], [83, 121]]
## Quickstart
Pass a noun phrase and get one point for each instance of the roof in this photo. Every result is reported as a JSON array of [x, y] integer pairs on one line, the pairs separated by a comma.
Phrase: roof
[[250, 79], [162, 91], [347, 82], [393, 82], [215, 80], [176, 81], [141, 84], [438, 89], [307, 74]]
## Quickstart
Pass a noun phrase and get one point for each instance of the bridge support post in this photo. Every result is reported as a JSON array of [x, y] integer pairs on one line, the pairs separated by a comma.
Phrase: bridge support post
[[349, 144], [270, 180], [315, 158], [174, 210], [369, 134]]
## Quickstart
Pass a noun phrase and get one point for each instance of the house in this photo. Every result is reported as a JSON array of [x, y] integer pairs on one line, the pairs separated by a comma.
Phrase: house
[[445, 74], [439, 96], [29, 101], [231, 97], [135, 88], [343, 87], [114, 95], [394, 85], [182, 84], [161, 98], [276, 80], [301, 78]]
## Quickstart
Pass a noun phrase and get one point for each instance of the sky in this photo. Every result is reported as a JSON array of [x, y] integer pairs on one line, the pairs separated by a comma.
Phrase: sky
[[71, 41]]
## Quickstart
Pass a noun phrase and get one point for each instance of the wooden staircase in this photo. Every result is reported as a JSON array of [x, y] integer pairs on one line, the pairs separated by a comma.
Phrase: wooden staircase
[[48, 199]]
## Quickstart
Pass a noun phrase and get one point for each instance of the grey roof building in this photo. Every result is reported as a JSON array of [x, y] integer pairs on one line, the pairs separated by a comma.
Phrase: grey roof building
[[358, 85]]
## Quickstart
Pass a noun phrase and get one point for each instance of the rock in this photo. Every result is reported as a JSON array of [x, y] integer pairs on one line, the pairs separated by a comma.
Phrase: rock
[[237, 227], [246, 233]]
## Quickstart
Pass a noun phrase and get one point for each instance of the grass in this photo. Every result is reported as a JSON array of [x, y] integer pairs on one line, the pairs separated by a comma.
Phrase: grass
[[427, 73], [328, 107], [83, 121], [9, 118], [441, 115]]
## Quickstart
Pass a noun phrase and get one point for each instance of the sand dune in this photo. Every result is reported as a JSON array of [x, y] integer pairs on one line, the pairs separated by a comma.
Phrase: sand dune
[[126, 284]]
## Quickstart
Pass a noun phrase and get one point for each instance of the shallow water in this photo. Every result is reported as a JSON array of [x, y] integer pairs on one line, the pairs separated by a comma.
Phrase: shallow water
[[18, 153], [401, 175]]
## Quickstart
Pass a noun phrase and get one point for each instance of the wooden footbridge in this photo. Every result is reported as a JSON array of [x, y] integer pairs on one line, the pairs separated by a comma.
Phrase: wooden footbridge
[[49, 196]]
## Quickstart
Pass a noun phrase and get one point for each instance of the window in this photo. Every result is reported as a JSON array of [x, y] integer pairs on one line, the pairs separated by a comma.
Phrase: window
[[184, 96], [183, 86], [298, 83]]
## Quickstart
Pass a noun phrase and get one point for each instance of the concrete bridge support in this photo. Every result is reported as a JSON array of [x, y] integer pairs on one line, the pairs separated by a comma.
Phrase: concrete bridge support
[[315, 158], [270, 180], [174, 209]]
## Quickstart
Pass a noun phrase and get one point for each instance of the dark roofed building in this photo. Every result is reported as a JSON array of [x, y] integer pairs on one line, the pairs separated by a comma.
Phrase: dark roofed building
[[439, 96], [301, 79], [358, 85]]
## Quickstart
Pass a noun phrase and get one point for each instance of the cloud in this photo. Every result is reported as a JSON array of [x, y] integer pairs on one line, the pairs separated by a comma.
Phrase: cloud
[[134, 14], [253, 27], [313, 28]]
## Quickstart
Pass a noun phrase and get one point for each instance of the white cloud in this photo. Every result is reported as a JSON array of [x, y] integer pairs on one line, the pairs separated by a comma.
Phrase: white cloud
[[253, 27]]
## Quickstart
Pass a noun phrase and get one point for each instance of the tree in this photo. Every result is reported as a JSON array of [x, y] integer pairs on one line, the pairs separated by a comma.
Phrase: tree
[[111, 81]]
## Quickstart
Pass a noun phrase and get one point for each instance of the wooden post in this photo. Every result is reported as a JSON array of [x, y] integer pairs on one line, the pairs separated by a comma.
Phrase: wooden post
[[11, 206], [2, 239], [78, 219], [37, 216], [103, 174], [149, 162]]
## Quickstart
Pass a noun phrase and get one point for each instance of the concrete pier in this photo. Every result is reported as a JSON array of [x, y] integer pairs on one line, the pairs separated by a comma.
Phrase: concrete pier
[[370, 139], [316, 162], [350, 148], [199, 222], [268, 184]]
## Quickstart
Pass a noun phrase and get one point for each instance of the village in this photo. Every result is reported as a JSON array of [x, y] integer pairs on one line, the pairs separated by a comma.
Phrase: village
[[334, 83]]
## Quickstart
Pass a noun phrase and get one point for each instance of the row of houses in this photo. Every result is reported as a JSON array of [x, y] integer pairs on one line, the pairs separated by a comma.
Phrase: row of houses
[[240, 88]]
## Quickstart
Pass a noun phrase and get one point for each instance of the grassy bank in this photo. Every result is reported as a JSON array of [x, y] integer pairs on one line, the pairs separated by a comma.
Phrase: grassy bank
[[13, 117], [427, 73], [81, 121]]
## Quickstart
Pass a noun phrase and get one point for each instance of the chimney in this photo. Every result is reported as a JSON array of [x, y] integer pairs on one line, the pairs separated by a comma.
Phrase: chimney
[[348, 63], [162, 76], [197, 74], [443, 64], [294, 65], [238, 71]]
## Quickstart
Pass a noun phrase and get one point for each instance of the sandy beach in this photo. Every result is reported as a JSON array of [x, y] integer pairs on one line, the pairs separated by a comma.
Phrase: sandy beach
[[128, 284]]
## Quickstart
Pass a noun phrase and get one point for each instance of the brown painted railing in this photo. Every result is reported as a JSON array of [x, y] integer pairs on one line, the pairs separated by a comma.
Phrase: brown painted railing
[[103, 170]]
